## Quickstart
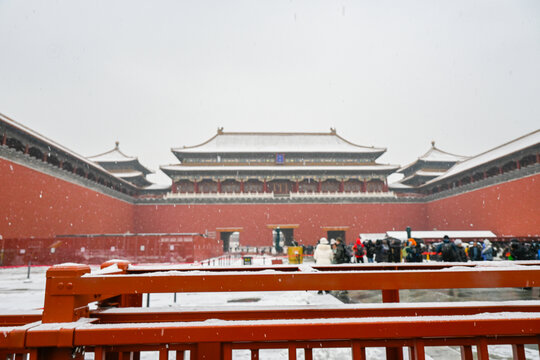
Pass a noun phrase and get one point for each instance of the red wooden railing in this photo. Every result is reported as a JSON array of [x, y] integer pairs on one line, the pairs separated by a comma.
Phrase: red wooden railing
[[67, 327]]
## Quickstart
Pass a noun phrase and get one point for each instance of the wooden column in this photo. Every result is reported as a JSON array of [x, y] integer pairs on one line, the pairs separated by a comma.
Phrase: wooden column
[[364, 185], [219, 186], [297, 186], [241, 186], [319, 186], [265, 186], [26, 149], [342, 186], [518, 165], [45, 157], [195, 186], [4, 139]]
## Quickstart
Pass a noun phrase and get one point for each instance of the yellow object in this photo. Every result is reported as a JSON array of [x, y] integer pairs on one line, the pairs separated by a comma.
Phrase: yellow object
[[295, 255]]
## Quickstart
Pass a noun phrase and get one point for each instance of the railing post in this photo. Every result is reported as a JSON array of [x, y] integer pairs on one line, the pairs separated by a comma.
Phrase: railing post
[[227, 351], [308, 354], [68, 307], [63, 308], [254, 354], [392, 295], [292, 352], [482, 349], [417, 351], [518, 351], [358, 351], [466, 352]]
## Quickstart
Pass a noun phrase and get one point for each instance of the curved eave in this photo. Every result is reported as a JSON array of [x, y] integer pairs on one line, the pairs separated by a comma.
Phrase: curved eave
[[200, 149], [131, 163]]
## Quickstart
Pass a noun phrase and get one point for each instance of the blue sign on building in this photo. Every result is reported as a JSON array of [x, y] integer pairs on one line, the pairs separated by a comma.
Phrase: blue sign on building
[[280, 158]]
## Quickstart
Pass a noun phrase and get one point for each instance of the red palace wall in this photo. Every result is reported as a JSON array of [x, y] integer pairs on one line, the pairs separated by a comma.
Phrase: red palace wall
[[507, 209], [254, 218], [36, 204]]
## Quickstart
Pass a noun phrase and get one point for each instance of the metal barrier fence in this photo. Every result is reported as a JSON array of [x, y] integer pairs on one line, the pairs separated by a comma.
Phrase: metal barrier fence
[[67, 328]]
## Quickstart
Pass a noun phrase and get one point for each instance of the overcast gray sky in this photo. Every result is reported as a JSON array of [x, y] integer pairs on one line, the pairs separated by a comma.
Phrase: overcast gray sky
[[162, 74]]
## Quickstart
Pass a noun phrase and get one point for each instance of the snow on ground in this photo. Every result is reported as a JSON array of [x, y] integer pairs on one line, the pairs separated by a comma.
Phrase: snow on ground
[[19, 294]]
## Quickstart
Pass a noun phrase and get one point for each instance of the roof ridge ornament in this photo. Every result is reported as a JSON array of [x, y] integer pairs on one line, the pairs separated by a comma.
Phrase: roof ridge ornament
[[333, 130], [433, 143], [117, 145], [220, 130]]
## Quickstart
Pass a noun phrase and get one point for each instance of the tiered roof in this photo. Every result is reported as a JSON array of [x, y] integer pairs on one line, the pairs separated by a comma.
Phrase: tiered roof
[[432, 164], [229, 144], [272, 142], [531, 140], [123, 166]]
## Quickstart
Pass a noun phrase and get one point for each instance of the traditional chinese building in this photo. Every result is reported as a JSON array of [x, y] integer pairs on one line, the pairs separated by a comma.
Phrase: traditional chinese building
[[278, 163], [308, 184], [123, 166], [431, 165]]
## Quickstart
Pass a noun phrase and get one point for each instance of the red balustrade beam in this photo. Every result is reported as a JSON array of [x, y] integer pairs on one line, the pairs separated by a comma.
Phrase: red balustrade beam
[[220, 282], [325, 329], [367, 310]]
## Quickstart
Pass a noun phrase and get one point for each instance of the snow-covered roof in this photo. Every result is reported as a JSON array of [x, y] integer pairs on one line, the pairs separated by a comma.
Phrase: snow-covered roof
[[158, 187], [115, 156], [513, 146], [372, 236], [399, 185], [278, 168], [128, 174], [435, 154], [468, 234], [51, 143], [282, 142]]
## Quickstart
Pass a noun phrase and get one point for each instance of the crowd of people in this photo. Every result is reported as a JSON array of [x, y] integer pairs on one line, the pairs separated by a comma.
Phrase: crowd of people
[[415, 250]]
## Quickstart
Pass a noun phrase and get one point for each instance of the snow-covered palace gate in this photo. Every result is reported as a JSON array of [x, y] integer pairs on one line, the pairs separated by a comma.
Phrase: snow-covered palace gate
[[67, 328]]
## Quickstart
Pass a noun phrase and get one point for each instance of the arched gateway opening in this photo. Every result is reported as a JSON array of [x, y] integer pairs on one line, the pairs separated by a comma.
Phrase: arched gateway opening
[[225, 234]]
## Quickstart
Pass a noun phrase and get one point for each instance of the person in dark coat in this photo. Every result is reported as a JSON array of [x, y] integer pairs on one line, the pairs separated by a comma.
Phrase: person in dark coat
[[370, 250], [395, 251], [517, 250], [475, 251], [341, 253], [382, 251], [447, 250], [460, 251]]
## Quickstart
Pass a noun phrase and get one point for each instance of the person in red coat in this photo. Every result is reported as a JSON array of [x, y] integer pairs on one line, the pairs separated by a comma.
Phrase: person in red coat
[[359, 250]]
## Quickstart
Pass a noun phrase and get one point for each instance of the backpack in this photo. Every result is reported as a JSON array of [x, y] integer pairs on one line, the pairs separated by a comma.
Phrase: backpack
[[348, 253], [359, 250], [447, 252]]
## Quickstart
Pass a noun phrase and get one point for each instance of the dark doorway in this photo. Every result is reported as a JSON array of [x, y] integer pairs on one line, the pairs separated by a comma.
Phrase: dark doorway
[[286, 238], [225, 236], [334, 234]]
